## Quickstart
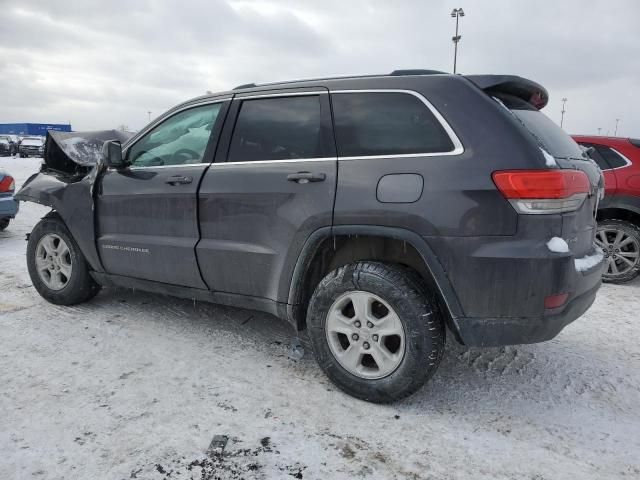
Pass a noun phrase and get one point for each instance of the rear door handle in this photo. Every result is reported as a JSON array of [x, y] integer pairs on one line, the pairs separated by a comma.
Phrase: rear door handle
[[178, 180], [306, 177]]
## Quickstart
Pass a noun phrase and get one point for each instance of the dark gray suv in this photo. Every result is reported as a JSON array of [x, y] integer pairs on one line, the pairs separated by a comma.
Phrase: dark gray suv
[[376, 212]]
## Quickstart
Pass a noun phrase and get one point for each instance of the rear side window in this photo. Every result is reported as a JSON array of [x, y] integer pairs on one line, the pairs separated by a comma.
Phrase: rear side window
[[548, 135], [386, 123], [279, 128], [613, 158]]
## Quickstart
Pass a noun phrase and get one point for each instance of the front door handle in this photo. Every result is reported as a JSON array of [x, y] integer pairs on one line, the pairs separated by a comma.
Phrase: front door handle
[[178, 180], [306, 177]]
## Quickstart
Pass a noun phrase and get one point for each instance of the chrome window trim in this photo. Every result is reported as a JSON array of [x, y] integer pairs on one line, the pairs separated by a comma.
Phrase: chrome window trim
[[202, 164], [458, 148], [286, 160], [286, 94], [624, 157]]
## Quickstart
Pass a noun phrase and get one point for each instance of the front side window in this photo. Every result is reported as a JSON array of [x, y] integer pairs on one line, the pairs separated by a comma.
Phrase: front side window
[[279, 128], [181, 139], [386, 123]]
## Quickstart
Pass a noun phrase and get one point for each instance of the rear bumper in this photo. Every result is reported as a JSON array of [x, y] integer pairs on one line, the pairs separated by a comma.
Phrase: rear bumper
[[8, 207], [501, 284], [491, 332]]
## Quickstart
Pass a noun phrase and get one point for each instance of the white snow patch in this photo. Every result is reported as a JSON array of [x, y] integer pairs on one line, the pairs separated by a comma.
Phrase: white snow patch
[[558, 245], [588, 261], [549, 159]]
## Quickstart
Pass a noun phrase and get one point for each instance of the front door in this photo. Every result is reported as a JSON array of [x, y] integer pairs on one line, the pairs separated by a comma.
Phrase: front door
[[147, 213], [272, 185]]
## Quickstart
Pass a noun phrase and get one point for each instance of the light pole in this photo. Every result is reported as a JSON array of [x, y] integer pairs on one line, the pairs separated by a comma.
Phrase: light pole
[[615, 132], [599, 130], [564, 101], [456, 13], [149, 114]]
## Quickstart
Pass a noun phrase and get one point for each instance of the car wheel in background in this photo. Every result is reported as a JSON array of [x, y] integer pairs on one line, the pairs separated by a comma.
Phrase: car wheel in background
[[4, 223], [620, 243], [375, 331], [56, 265]]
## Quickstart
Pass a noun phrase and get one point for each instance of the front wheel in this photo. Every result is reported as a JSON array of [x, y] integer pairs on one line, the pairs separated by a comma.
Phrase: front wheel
[[375, 331], [620, 243], [4, 223], [56, 265]]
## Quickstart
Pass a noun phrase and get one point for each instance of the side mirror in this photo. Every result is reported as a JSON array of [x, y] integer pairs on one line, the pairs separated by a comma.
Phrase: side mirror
[[112, 154]]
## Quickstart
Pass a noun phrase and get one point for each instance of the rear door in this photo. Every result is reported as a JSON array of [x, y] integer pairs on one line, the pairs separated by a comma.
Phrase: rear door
[[272, 184], [147, 213]]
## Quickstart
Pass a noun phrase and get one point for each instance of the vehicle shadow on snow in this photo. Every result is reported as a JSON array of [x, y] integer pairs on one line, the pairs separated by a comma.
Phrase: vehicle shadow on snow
[[498, 374]]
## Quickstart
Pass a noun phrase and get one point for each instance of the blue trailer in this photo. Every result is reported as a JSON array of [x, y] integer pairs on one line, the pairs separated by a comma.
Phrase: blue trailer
[[39, 129]]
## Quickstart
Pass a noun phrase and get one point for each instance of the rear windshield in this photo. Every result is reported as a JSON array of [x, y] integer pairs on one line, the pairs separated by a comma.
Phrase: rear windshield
[[548, 135]]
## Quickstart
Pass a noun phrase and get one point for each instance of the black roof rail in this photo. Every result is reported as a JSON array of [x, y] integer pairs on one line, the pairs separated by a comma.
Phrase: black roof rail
[[246, 85], [415, 71], [395, 73]]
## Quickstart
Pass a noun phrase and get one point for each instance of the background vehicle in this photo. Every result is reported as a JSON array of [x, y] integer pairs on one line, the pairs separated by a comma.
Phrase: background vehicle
[[8, 206], [31, 147], [6, 146], [619, 211], [372, 211]]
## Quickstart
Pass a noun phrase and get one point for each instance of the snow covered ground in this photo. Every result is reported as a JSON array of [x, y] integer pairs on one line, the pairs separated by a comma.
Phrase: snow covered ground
[[134, 385]]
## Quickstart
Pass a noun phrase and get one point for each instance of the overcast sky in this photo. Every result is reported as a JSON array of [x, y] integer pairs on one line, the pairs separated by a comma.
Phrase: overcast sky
[[103, 64]]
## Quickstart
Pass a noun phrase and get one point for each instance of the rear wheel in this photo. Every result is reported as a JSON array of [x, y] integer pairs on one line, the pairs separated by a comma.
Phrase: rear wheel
[[56, 265], [374, 331], [620, 243], [4, 223]]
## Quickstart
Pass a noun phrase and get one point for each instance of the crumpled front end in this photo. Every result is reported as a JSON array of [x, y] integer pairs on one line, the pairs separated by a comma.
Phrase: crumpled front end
[[65, 183]]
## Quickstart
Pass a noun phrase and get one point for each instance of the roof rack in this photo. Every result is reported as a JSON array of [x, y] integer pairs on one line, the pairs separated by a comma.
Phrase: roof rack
[[395, 73], [415, 71], [246, 85]]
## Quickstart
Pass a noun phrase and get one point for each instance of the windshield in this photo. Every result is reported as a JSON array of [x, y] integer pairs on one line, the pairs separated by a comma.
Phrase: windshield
[[32, 141], [548, 135]]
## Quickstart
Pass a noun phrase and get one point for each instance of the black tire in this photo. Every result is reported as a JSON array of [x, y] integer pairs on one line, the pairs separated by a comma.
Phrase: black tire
[[422, 323], [80, 286], [4, 223], [631, 230]]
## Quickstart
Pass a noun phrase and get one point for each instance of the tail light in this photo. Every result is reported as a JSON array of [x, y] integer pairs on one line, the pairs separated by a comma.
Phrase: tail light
[[543, 191], [7, 184]]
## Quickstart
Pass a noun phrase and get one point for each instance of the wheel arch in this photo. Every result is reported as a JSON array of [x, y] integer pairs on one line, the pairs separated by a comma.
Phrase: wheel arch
[[329, 248], [619, 213], [72, 203]]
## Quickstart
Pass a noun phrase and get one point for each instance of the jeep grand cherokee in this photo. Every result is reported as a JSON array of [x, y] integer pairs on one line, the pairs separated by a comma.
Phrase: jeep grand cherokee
[[373, 211]]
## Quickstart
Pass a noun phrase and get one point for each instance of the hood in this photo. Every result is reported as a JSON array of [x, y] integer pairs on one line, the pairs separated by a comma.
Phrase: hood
[[77, 152]]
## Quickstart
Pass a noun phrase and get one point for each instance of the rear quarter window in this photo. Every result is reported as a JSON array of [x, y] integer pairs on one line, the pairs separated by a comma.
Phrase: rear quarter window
[[612, 157], [386, 123]]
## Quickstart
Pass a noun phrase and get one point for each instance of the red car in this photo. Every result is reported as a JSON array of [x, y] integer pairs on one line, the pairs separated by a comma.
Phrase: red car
[[619, 212]]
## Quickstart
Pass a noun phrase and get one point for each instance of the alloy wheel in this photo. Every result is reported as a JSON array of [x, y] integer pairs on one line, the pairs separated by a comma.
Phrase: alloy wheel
[[365, 335], [53, 261], [621, 251]]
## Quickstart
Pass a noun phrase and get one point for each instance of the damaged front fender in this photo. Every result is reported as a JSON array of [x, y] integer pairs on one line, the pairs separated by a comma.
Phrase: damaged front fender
[[66, 184], [72, 200]]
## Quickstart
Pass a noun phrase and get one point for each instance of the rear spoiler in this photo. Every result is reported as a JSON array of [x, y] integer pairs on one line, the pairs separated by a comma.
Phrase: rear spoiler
[[529, 91]]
